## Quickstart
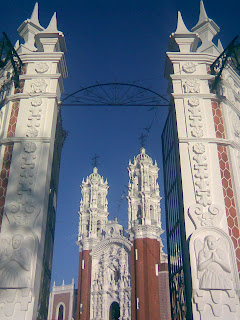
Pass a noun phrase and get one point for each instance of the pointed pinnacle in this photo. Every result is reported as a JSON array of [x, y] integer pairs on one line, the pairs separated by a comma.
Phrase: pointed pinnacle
[[181, 28], [52, 27], [34, 17], [203, 15]]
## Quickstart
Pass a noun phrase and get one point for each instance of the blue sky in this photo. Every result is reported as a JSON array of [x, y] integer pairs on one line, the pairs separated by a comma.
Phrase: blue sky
[[110, 40]]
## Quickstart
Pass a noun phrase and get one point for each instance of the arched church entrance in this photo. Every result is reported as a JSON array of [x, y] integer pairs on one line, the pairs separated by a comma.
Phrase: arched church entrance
[[114, 312]]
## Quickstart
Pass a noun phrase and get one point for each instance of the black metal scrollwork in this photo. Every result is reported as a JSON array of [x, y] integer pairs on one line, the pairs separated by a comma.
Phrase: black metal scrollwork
[[8, 53]]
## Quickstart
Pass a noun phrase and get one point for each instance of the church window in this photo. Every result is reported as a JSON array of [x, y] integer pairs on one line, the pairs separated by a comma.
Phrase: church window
[[87, 227], [139, 215], [99, 199], [151, 183], [60, 312], [98, 227], [116, 275]]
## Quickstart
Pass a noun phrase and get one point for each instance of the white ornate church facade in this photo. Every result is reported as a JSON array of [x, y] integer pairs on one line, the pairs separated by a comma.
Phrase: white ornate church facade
[[119, 272]]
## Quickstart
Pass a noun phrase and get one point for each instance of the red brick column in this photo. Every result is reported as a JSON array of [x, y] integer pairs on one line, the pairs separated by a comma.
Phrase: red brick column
[[165, 307], [228, 192], [84, 285], [147, 284], [133, 284]]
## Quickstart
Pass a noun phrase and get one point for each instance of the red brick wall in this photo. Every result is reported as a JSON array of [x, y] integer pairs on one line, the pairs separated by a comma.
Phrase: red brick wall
[[84, 285], [164, 294], [61, 298], [147, 284], [7, 156], [228, 192]]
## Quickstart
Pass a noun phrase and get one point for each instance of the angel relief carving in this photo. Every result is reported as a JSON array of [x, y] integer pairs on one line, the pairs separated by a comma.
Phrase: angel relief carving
[[213, 266], [215, 278], [15, 262]]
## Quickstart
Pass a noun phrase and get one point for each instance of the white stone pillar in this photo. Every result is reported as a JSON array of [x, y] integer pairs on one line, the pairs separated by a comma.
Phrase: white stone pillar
[[28, 136], [208, 170]]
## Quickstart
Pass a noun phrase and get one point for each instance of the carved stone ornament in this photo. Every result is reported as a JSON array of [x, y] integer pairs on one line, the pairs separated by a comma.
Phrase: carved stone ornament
[[191, 86], [230, 95], [195, 117], [32, 133], [189, 67], [17, 251], [24, 211], [200, 175], [215, 280], [236, 124], [205, 217], [36, 101], [193, 101], [38, 86], [41, 67]]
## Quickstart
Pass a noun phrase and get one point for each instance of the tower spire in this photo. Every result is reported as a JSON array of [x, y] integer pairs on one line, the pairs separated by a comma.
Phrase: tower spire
[[93, 207], [34, 17], [143, 195], [187, 41], [207, 29], [29, 28], [181, 27], [52, 27], [202, 15]]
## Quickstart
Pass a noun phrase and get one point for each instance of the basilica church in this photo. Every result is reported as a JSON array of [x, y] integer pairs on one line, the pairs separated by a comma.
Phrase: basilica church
[[122, 274]]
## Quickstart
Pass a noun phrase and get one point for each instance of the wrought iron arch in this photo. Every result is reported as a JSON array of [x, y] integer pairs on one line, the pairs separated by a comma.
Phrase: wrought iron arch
[[115, 94]]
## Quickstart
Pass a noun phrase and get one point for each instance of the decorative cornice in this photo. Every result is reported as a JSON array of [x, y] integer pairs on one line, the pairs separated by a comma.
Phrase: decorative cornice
[[41, 56], [207, 58], [195, 76], [224, 142], [211, 96], [25, 95], [12, 140], [145, 231], [45, 76]]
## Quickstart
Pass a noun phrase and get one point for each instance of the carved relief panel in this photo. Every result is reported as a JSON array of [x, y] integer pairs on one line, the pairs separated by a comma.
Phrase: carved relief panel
[[18, 247], [214, 273]]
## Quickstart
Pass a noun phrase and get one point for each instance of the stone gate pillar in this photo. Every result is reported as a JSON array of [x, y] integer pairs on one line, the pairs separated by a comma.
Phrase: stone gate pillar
[[31, 138], [203, 224]]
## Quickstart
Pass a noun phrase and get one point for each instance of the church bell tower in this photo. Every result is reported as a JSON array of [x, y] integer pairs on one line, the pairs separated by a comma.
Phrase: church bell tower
[[92, 221], [144, 223]]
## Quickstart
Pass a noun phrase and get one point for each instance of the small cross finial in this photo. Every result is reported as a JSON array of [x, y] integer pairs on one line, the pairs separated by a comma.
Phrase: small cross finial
[[142, 139], [95, 160]]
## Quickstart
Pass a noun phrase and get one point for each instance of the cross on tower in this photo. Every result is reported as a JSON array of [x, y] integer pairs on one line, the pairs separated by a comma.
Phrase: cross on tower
[[95, 160], [142, 139]]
